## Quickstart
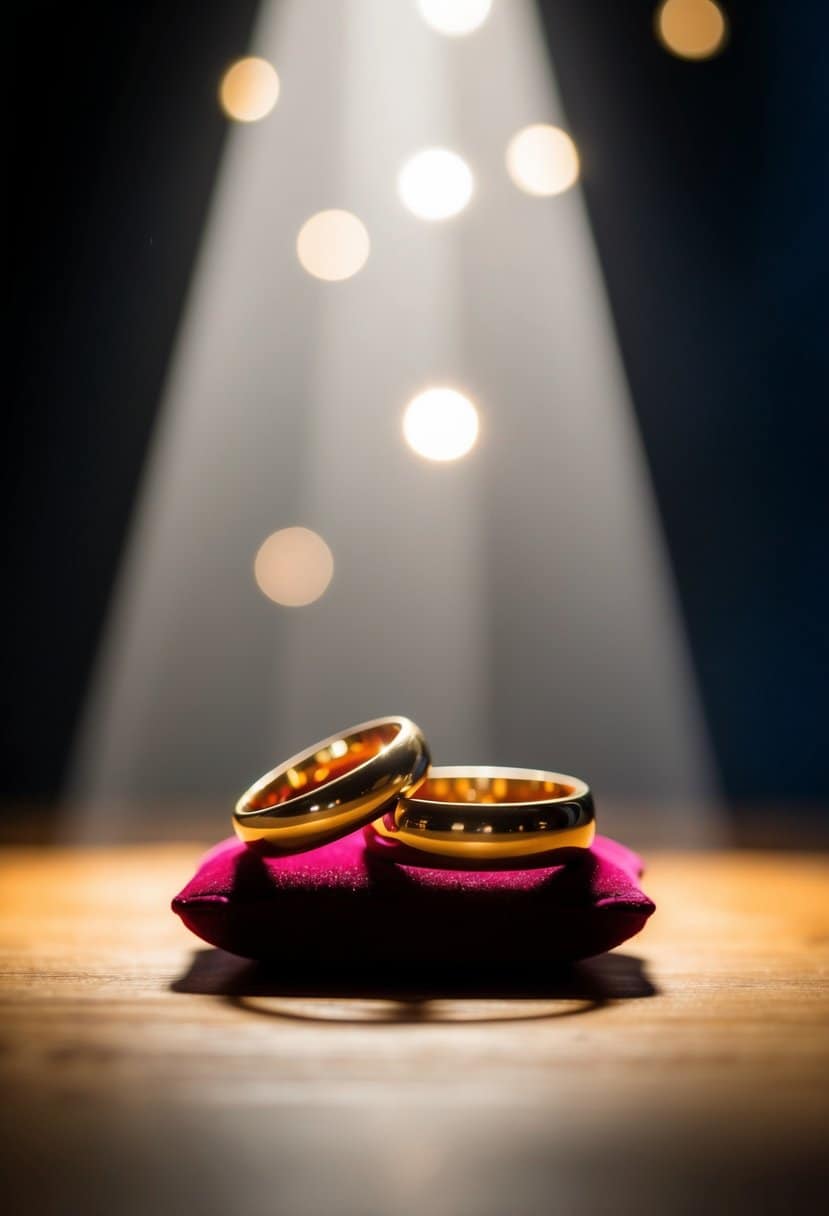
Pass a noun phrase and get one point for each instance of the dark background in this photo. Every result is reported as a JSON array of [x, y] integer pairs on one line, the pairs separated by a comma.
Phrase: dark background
[[707, 187]]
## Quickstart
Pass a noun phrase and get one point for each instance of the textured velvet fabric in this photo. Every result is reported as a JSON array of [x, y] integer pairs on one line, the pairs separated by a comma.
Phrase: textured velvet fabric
[[351, 903]]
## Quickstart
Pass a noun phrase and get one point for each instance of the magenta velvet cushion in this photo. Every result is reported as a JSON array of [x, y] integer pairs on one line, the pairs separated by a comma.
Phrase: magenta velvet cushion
[[350, 903]]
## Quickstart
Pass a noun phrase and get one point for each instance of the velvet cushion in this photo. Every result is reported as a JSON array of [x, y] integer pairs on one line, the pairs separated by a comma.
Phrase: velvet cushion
[[352, 903]]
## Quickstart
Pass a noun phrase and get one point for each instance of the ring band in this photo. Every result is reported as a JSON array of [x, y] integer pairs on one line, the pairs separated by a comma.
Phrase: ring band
[[334, 787], [491, 813]]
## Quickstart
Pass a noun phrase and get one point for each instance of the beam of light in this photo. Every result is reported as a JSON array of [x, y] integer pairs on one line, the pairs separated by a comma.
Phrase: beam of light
[[454, 17], [333, 245], [440, 424], [542, 160], [518, 605], [249, 89], [435, 184], [691, 29]]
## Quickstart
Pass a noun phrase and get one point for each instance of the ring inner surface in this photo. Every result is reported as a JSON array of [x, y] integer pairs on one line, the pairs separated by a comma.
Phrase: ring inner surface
[[489, 791], [338, 757], [493, 805]]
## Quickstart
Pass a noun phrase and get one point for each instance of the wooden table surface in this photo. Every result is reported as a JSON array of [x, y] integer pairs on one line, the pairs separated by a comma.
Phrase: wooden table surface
[[145, 1073]]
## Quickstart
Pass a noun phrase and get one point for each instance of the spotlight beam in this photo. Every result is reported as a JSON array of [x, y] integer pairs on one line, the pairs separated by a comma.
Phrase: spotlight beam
[[518, 602]]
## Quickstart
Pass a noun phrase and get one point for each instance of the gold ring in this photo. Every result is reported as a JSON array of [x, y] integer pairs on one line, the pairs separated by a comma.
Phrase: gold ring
[[332, 788], [490, 813]]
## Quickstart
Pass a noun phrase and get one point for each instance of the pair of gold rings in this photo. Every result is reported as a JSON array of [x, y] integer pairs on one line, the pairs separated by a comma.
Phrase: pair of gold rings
[[378, 775]]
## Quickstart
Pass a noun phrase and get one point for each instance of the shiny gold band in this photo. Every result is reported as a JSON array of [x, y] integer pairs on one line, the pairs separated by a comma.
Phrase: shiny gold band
[[332, 788], [492, 813]]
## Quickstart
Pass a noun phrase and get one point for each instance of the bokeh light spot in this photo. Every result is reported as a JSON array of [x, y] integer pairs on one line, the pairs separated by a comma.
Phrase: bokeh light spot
[[249, 89], [293, 567], [440, 424], [333, 245], [691, 29], [454, 17], [435, 184], [542, 160]]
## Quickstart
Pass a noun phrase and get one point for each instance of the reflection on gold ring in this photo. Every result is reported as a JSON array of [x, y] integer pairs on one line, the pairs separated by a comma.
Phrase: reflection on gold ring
[[492, 813], [332, 788]]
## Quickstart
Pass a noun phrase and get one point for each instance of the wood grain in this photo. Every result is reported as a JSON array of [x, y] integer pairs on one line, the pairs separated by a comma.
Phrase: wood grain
[[143, 1072]]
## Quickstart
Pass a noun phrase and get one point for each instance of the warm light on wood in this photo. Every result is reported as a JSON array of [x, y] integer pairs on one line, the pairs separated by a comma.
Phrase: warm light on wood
[[109, 1006]]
